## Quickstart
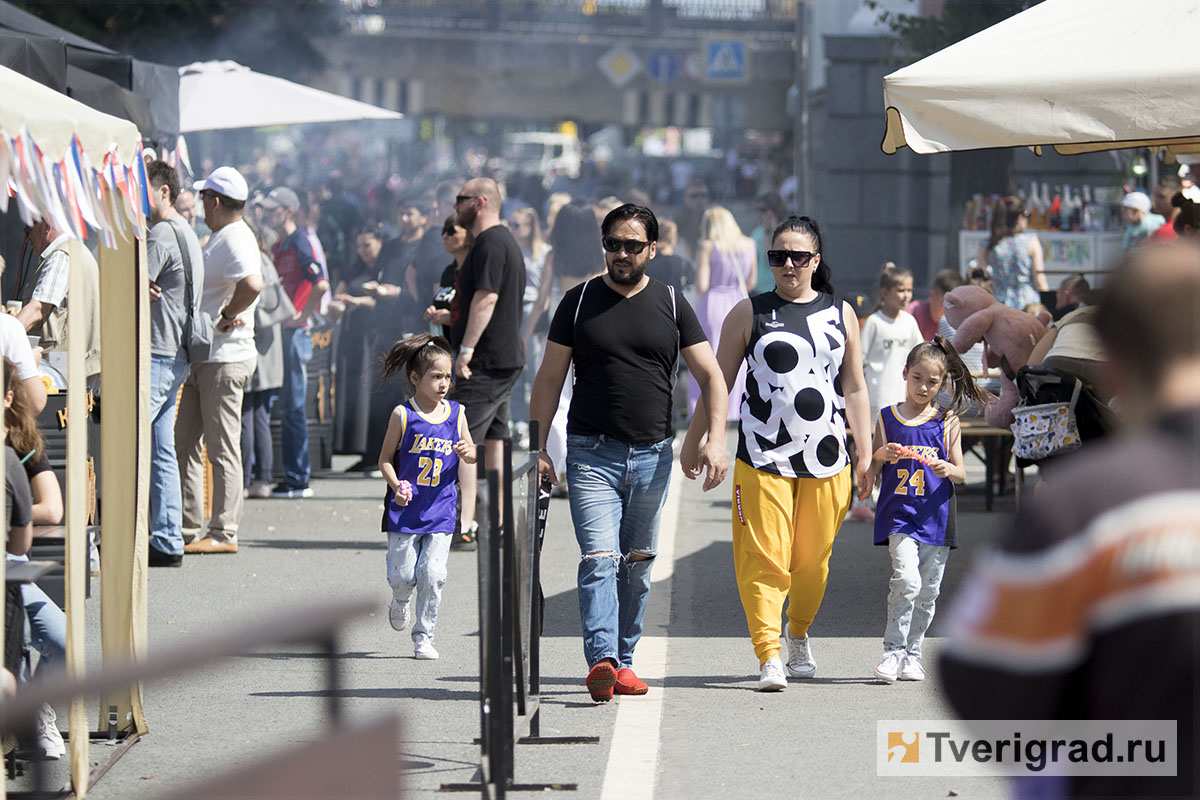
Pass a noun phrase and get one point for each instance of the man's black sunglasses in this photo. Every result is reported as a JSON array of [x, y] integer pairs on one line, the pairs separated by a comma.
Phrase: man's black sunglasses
[[630, 246], [779, 258], [462, 198]]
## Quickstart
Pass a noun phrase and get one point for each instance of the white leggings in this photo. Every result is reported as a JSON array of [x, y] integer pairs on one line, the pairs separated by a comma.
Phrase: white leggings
[[418, 561]]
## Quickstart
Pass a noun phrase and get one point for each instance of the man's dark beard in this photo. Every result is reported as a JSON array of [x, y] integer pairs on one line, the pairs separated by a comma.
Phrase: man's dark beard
[[632, 280]]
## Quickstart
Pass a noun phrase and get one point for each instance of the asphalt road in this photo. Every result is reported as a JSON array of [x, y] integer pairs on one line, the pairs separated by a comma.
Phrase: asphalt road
[[703, 731]]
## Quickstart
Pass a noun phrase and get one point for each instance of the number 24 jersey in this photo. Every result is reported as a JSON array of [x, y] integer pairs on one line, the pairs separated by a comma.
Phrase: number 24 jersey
[[425, 458], [912, 499]]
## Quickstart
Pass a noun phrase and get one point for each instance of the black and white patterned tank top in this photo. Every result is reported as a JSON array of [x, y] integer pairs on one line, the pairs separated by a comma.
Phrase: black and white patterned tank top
[[793, 420]]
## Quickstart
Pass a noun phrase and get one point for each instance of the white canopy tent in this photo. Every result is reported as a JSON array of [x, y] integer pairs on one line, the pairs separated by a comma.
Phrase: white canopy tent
[[71, 164], [218, 95], [1078, 75]]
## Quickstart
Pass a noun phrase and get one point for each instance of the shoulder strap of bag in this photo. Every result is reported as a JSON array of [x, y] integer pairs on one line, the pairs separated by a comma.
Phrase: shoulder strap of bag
[[579, 305], [187, 269]]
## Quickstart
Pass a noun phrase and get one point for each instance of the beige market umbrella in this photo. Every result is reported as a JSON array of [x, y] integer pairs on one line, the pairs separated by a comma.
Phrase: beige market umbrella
[[1076, 75]]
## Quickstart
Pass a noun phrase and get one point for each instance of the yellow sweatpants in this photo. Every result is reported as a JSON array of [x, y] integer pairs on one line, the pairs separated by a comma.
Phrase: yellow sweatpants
[[783, 531]]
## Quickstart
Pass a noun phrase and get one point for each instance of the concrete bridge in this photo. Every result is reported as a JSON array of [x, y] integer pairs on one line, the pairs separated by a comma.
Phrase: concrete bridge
[[694, 63]]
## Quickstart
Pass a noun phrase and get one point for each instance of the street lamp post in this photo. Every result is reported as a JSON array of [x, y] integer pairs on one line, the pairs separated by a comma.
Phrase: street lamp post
[[799, 98]]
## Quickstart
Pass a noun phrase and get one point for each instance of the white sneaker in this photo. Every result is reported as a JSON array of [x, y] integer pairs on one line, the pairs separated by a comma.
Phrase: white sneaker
[[398, 615], [800, 662], [49, 740], [772, 679], [259, 489], [912, 669], [423, 649], [889, 669]]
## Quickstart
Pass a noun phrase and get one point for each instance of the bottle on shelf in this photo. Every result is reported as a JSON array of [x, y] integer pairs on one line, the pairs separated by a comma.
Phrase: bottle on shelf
[[1056, 210], [1034, 207]]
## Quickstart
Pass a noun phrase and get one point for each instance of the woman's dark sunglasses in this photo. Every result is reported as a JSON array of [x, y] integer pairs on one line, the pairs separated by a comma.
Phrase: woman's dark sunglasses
[[779, 258], [631, 246]]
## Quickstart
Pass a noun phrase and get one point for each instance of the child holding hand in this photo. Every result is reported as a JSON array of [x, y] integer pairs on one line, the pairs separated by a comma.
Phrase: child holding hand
[[425, 440]]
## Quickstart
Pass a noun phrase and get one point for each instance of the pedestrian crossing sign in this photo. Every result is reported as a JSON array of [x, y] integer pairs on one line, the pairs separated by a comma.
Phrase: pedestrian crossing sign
[[725, 60]]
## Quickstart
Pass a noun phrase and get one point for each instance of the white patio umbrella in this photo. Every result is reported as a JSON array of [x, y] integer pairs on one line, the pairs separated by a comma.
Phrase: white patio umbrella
[[218, 95], [1078, 75]]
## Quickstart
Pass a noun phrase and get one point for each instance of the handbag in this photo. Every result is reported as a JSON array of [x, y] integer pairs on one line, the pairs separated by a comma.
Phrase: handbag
[[274, 305], [198, 329], [1046, 429]]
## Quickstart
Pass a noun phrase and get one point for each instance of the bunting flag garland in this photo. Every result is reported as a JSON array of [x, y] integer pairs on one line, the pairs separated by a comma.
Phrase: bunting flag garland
[[70, 193], [184, 159], [77, 175]]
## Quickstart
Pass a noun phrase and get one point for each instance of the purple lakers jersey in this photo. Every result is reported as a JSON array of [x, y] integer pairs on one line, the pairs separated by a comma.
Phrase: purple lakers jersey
[[426, 459], [912, 499]]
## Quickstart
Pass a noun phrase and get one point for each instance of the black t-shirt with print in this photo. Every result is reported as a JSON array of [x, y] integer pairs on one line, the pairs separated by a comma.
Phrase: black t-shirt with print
[[495, 264], [624, 350]]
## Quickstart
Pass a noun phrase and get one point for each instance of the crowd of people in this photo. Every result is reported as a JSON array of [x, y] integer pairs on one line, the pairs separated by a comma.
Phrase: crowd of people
[[473, 312]]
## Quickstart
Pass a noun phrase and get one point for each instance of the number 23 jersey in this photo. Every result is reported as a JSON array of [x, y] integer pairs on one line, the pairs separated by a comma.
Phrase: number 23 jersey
[[426, 459]]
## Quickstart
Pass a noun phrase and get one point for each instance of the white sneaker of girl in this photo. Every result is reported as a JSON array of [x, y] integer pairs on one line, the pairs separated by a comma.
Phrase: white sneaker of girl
[[423, 649], [398, 615], [889, 669], [912, 669]]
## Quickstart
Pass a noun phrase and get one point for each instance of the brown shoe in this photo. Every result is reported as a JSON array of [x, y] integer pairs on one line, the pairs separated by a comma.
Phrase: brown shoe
[[211, 545]]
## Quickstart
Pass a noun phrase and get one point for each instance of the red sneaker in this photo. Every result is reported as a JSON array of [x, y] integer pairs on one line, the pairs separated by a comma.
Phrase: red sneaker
[[600, 680], [629, 683]]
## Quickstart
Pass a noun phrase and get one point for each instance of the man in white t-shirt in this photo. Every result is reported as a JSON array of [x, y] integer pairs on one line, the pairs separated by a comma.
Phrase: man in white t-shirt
[[14, 345], [210, 408]]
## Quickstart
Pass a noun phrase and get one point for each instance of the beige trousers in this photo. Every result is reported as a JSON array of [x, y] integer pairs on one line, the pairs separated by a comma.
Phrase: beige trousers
[[210, 414]]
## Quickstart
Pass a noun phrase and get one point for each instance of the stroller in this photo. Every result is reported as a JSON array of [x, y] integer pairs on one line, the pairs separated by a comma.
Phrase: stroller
[[1042, 385]]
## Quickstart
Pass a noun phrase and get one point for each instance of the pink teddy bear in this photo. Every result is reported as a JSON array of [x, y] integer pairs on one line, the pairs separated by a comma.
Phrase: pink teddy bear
[[1006, 333]]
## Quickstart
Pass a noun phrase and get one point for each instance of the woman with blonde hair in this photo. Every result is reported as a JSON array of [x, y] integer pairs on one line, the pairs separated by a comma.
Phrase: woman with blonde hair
[[725, 268]]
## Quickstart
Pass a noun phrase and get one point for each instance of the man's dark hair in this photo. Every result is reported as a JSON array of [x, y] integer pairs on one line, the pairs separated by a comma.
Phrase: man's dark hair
[[229, 204], [1170, 181], [1078, 287], [632, 213], [947, 280], [160, 173]]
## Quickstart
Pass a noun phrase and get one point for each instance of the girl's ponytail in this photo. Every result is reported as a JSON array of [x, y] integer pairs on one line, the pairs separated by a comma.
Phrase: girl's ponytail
[[414, 354], [966, 390]]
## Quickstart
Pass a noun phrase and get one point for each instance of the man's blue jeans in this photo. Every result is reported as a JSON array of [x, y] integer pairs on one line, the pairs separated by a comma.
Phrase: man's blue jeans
[[617, 494], [293, 421], [167, 374]]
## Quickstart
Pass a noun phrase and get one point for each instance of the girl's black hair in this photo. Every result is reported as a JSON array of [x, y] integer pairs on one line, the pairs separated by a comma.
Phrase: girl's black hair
[[821, 280], [1189, 213], [415, 354], [966, 390]]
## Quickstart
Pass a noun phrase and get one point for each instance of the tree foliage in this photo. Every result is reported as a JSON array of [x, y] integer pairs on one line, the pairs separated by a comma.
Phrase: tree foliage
[[272, 36], [921, 36]]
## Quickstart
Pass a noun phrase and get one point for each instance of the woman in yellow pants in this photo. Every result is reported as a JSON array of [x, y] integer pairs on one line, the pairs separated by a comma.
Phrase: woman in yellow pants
[[791, 481]]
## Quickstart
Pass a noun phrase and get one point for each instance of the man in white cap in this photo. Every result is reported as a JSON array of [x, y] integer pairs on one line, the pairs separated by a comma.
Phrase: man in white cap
[[304, 281], [1139, 222], [210, 409]]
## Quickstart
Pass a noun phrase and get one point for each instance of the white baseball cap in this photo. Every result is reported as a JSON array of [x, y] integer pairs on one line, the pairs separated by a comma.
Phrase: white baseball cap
[[225, 181], [1138, 200]]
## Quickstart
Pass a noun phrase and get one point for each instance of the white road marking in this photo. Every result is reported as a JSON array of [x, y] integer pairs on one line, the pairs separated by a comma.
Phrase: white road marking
[[633, 756]]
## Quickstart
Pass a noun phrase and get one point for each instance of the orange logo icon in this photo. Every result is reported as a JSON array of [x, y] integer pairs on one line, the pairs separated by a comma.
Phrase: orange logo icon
[[903, 747]]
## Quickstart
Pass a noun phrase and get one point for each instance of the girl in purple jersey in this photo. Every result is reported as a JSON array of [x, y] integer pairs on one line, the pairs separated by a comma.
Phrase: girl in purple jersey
[[426, 438], [918, 459]]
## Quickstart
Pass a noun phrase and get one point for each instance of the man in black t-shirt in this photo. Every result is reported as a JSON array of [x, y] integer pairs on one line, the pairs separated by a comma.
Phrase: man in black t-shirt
[[623, 331], [486, 333]]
